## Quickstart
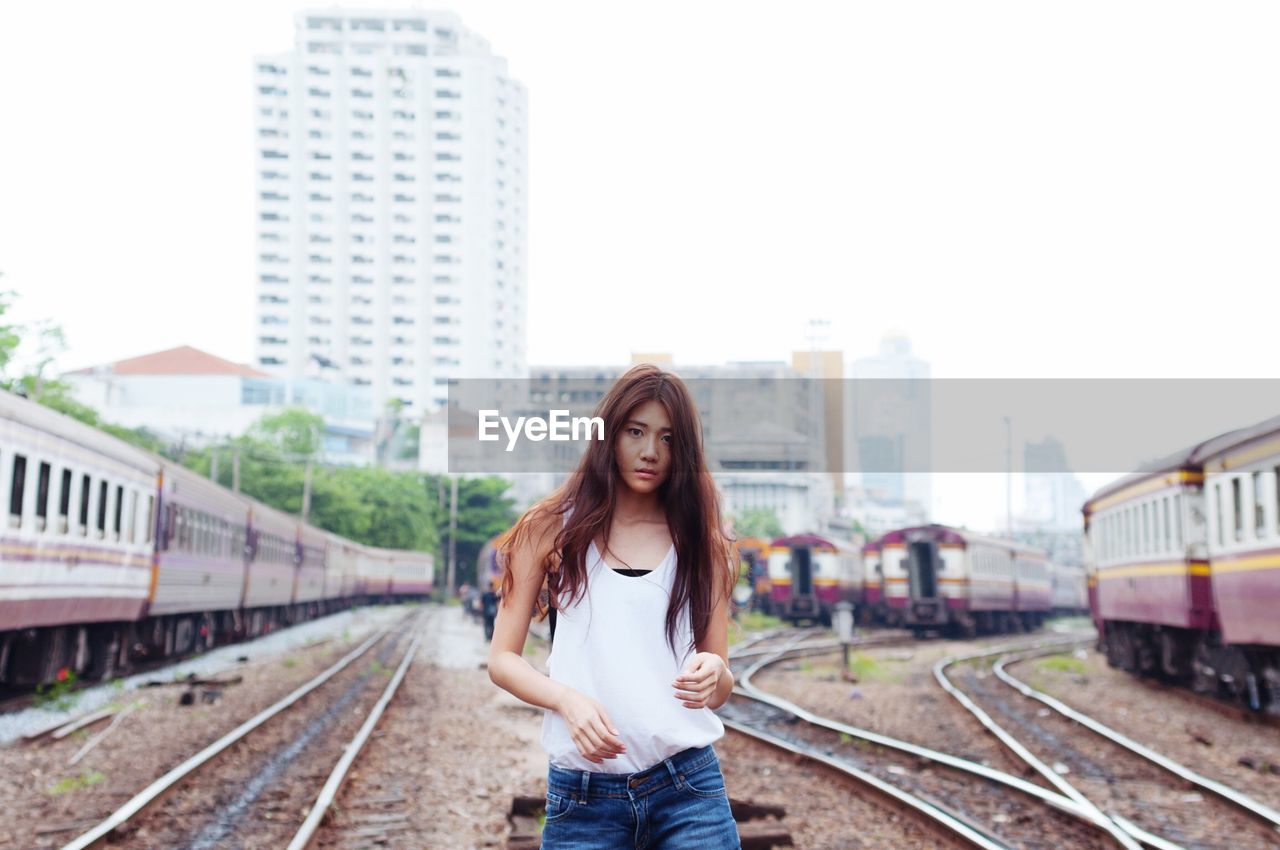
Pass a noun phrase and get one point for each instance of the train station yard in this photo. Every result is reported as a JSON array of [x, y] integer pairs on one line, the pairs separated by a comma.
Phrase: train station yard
[[451, 752]]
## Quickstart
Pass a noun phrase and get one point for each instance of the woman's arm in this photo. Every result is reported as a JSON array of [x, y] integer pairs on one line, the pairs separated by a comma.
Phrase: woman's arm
[[707, 680], [590, 727], [507, 667]]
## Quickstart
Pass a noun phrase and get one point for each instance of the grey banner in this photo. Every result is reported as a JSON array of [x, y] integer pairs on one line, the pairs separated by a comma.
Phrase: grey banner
[[869, 426]]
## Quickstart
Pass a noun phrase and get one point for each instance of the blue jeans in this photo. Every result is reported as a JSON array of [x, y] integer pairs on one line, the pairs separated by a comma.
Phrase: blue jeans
[[677, 804]]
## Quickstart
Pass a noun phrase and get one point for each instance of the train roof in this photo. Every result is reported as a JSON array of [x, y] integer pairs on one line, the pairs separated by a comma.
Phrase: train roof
[[1191, 459], [36, 415], [957, 536], [815, 540], [1238, 439]]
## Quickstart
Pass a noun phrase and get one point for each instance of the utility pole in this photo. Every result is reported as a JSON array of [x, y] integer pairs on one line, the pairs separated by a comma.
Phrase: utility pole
[[306, 491], [453, 536], [235, 470], [1008, 476]]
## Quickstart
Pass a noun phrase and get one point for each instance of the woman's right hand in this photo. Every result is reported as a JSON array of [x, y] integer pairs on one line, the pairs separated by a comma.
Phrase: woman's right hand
[[590, 727]]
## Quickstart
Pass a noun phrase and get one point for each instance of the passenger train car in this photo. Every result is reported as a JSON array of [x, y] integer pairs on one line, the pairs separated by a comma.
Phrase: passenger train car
[[1184, 563], [753, 560], [1069, 589], [873, 607], [937, 577], [111, 554], [809, 574]]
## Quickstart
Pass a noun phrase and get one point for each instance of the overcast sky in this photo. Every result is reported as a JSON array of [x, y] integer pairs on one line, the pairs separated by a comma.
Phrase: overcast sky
[[1024, 188]]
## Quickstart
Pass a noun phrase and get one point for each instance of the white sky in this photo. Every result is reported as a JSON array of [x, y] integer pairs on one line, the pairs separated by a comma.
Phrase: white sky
[[1024, 188]]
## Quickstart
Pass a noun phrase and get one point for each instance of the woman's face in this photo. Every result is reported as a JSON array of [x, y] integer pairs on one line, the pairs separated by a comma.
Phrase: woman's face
[[643, 447]]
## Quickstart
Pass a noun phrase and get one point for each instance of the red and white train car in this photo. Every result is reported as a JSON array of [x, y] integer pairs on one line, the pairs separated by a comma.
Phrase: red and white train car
[[809, 574], [1184, 563], [937, 577]]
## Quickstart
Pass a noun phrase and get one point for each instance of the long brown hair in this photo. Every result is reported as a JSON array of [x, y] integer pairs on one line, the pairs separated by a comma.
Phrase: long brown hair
[[704, 573]]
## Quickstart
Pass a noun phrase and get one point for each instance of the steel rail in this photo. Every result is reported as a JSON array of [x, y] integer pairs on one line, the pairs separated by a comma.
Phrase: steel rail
[[153, 792], [306, 833], [1013, 744], [745, 688], [943, 818], [1219, 789]]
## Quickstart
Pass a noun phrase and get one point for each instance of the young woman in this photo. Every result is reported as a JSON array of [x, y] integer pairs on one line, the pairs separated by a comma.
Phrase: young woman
[[638, 577]]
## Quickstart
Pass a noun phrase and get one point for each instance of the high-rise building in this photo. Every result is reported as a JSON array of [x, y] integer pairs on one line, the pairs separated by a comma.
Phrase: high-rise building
[[887, 417], [391, 158]]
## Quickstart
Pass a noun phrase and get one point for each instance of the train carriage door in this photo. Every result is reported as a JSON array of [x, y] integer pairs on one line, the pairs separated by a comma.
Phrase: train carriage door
[[801, 572], [922, 569]]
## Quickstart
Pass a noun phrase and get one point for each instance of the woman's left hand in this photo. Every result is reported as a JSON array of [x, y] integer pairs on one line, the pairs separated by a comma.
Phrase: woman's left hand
[[697, 682]]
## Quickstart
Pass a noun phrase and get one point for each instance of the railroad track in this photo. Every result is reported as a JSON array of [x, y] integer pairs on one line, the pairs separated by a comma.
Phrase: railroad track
[[972, 805], [252, 786], [1152, 799]]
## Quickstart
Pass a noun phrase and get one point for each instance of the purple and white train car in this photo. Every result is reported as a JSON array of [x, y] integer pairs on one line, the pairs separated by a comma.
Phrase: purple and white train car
[[313, 548], [274, 556], [937, 577], [76, 542], [200, 563], [341, 570]]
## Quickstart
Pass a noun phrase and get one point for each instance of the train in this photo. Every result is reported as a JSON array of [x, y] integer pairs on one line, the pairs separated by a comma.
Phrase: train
[[938, 577], [753, 561], [925, 578], [1184, 567], [111, 555], [810, 573]]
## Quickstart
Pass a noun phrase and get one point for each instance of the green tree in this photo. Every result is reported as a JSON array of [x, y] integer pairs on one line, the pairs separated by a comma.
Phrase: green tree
[[757, 522], [294, 431], [484, 509]]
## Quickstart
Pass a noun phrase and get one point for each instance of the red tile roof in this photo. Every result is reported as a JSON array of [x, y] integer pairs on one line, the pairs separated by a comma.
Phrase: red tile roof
[[183, 360]]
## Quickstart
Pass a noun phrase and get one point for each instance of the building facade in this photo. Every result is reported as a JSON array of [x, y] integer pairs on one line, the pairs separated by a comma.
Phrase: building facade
[[191, 397], [391, 157]]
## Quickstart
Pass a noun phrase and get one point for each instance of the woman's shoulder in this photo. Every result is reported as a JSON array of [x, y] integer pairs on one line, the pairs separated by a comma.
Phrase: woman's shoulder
[[538, 527]]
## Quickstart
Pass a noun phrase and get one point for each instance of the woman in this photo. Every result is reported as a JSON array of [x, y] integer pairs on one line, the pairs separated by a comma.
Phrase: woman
[[638, 573]]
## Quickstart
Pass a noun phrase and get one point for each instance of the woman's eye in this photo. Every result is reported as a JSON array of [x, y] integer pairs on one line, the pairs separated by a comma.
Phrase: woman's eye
[[635, 432], [667, 439]]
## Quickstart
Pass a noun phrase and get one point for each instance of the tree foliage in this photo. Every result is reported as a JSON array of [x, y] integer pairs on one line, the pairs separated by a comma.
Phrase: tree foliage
[[757, 522]]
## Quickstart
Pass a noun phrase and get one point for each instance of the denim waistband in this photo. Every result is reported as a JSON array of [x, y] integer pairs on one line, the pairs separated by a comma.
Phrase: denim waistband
[[582, 784]]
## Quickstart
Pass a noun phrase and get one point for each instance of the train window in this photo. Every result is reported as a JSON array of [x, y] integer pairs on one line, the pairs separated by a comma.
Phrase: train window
[[150, 519], [1168, 529], [1157, 528], [64, 502], [1177, 520], [102, 509], [133, 516], [119, 511], [1259, 507], [16, 490], [86, 489], [1216, 513], [1144, 535], [1237, 509], [42, 496], [1275, 478]]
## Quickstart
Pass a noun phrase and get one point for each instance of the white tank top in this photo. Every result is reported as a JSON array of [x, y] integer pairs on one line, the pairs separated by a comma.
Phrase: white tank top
[[612, 646]]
